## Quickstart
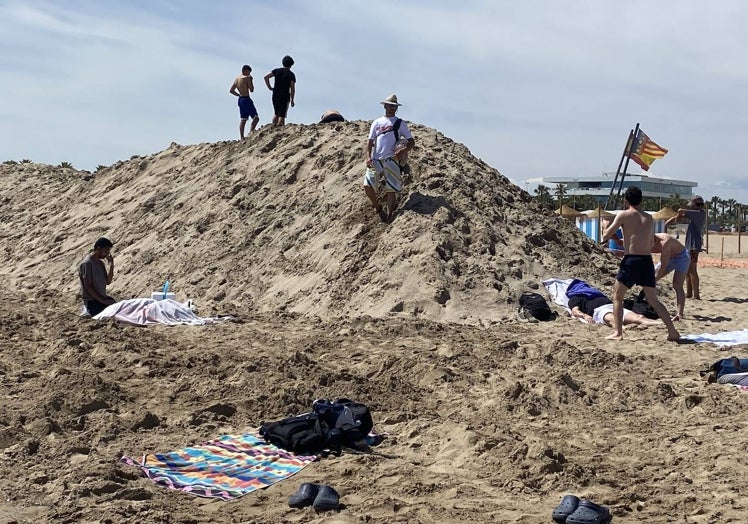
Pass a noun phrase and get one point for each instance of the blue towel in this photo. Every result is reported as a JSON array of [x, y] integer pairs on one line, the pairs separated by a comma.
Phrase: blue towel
[[725, 366], [580, 288]]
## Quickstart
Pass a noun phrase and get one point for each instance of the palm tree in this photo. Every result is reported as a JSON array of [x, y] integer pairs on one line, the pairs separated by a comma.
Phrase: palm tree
[[543, 195], [732, 209], [583, 202], [560, 193], [713, 203]]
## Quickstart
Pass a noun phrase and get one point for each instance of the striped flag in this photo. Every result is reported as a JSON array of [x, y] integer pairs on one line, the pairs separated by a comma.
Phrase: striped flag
[[643, 151]]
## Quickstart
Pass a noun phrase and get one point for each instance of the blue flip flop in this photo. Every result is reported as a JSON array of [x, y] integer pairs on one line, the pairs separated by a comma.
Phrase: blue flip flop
[[588, 512], [304, 496], [567, 506], [326, 499]]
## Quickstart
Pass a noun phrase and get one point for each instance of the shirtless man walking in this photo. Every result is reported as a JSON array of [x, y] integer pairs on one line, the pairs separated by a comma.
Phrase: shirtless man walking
[[673, 257], [241, 87], [636, 265]]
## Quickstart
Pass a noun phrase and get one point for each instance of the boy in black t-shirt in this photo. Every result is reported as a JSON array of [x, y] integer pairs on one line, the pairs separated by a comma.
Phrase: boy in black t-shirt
[[284, 89]]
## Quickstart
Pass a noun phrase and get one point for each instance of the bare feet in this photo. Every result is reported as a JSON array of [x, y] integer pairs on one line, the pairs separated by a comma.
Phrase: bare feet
[[676, 318], [614, 336]]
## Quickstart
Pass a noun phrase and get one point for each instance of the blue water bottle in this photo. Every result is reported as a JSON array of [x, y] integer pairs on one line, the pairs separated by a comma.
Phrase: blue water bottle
[[166, 289]]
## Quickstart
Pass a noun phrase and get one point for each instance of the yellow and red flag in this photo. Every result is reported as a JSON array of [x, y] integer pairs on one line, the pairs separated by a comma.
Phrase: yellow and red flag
[[643, 151]]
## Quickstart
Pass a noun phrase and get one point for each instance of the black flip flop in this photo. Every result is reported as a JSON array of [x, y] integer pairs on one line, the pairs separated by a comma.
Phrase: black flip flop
[[304, 496], [326, 499]]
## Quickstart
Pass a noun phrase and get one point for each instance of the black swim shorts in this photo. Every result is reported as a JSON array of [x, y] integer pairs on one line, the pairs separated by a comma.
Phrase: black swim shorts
[[636, 269]]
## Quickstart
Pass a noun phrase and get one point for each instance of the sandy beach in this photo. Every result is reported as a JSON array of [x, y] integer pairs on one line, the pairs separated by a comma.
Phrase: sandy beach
[[488, 419]]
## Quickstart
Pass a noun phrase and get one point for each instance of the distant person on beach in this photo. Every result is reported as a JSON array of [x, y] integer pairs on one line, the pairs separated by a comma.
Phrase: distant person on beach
[[241, 87], [382, 152], [636, 265], [673, 257], [330, 116], [283, 88], [696, 215], [95, 277]]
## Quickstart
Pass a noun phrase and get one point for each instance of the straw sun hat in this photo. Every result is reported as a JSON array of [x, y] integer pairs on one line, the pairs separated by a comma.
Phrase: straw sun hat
[[390, 101]]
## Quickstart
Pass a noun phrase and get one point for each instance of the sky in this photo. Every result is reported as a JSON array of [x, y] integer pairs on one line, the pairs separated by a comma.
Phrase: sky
[[536, 88]]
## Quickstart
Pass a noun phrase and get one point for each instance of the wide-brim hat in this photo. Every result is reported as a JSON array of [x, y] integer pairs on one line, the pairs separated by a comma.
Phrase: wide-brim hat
[[696, 200], [390, 101]]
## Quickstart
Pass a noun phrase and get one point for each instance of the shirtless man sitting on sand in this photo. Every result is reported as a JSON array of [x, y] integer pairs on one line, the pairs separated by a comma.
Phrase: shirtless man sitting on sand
[[673, 257], [636, 265]]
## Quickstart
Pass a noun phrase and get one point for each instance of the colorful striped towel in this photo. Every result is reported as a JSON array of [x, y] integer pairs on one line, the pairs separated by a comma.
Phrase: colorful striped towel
[[225, 468]]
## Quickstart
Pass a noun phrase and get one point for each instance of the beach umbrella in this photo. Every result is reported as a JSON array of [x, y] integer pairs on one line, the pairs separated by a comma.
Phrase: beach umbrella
[[665, 213], [599, 213], [568, 212]]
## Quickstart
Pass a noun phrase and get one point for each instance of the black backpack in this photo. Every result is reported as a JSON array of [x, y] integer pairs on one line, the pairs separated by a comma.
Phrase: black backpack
[[349, 422], [306, 433], [536, 306], [641, 306]]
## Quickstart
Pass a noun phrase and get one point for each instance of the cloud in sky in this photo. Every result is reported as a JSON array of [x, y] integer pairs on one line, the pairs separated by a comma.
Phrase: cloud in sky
[[535, 88]]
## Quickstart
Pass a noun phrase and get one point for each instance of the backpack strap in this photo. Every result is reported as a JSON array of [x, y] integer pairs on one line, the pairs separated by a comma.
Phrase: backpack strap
[[396, 128]]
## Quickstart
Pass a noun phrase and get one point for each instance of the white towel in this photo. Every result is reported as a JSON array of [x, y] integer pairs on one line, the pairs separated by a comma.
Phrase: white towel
[[556, 288], [726, 338], [146, 311]]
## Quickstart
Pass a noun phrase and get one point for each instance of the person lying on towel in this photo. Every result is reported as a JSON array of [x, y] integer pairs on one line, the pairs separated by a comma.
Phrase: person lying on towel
[[592, 306]]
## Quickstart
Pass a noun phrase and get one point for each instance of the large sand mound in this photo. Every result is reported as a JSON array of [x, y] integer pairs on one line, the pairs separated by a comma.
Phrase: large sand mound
[[279, 222]]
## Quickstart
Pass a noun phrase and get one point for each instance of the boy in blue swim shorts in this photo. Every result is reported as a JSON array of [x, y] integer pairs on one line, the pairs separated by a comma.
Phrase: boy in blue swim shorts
[[241, 88], [636, 266], [673, 257]]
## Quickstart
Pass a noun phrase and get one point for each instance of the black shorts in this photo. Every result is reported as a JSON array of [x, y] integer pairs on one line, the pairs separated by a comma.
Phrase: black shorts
[[280, 105], [94, 307], [636, 269]]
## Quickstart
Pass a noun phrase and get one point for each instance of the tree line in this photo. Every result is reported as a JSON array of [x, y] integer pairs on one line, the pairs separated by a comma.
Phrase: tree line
[[722, 212]]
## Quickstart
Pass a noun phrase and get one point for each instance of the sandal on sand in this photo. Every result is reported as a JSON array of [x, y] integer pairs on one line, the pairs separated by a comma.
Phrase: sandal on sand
[[382, 213], [304, 496], [588, 512], [567, 506], [525, 316], [327, 499]]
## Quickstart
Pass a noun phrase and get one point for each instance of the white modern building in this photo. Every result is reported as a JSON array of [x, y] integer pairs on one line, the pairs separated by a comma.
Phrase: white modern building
[[599, 186]]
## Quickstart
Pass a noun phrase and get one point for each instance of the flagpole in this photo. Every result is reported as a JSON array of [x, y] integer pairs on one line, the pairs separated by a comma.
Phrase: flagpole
[[626, 151], [626, 165]]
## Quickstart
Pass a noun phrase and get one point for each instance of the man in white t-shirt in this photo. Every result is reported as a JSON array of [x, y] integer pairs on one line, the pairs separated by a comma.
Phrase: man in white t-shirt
[[389, 140]]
